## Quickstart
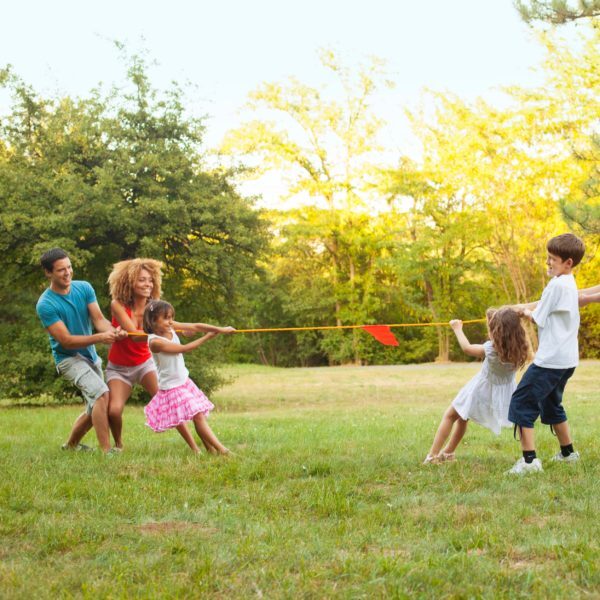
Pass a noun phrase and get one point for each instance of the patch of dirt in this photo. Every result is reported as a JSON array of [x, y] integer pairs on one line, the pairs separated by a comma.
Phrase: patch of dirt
[[520, 561], [175, 526]]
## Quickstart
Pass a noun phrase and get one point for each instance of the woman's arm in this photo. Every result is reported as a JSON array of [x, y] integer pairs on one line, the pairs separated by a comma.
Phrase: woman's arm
[[123, 319], [126, 322], [162, 345], [476, 350], [202, 327]]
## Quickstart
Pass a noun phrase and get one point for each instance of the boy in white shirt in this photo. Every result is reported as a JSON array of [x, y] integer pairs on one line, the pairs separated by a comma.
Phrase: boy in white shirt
[[540, 391]]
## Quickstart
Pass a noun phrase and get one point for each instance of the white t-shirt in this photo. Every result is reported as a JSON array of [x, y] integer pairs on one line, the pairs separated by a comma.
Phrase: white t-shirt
[[171, 368], [557, 318]]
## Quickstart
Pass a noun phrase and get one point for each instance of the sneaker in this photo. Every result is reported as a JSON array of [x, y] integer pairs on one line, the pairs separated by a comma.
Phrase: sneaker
[[572, 458], [432, 460], [113, 452], [521, 467], [78, 448]]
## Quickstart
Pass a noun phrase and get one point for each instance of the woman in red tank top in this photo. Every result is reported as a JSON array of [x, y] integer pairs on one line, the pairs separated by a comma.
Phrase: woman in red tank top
[[132, 284]]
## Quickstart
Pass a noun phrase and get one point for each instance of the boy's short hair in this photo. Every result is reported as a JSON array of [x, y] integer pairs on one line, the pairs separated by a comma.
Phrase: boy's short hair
[[567, 246], [51, 256]]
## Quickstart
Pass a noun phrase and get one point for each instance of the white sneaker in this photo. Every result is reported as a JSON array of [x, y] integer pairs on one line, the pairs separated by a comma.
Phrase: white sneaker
[[521, 467], [572, 458]]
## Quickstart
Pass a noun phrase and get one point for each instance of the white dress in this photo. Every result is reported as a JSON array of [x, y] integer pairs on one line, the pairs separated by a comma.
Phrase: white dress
[[486, 398]]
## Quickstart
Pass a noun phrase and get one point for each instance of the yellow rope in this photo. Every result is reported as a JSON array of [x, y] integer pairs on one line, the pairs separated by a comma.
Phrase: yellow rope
[[322, 327], [352, 326]]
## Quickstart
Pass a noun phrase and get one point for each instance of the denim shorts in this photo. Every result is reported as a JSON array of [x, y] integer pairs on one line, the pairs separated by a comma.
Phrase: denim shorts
[[85, 376], [539, 393], [130, 375]]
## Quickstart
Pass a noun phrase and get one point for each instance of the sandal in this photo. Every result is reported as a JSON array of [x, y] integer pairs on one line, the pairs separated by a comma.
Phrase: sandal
[[77, 448]]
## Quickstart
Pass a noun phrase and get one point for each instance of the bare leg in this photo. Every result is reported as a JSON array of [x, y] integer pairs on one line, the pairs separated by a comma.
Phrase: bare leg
[[187, 436], [443, 431], [82, 425], [527, 439], [209, 439], [119, 394], [563, 433], [100, 422], [460, 428], [150, 383]]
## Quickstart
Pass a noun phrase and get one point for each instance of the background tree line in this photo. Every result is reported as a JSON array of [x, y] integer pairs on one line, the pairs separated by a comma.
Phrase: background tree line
[[122, 173]]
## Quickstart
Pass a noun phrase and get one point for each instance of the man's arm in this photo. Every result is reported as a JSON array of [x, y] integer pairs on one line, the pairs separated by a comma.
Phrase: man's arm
[[68, 341], [107, 334], [101, 323]]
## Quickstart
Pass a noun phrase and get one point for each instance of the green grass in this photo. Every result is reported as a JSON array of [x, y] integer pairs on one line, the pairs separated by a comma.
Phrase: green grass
[[326, 498]]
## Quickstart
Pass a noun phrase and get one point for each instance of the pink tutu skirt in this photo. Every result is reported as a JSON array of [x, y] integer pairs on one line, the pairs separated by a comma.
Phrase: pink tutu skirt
[[169, 408]]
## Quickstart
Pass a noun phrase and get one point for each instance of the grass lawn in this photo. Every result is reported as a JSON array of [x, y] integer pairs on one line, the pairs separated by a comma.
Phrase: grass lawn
[[326, 498]]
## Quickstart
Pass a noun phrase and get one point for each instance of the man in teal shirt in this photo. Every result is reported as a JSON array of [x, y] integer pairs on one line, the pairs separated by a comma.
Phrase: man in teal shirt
[[68, 309]]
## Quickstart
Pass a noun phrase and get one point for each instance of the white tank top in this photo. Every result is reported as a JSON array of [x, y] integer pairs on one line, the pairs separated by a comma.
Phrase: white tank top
[[172, 371]]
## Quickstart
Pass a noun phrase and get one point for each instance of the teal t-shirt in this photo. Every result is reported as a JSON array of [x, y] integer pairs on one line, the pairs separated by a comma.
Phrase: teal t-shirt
[[72, 310]]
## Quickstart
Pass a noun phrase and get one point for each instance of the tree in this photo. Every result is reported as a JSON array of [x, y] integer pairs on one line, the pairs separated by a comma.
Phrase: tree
[[325, 151], [582, 208], [513, 167], [557, 12], [110, 178]]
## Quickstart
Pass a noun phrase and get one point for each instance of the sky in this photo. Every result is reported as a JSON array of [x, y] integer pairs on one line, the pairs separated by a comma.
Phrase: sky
[[225, 48]]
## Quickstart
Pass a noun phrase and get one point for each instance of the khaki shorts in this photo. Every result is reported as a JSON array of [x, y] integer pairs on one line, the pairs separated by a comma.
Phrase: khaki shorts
[[85, 376], [130, 375]]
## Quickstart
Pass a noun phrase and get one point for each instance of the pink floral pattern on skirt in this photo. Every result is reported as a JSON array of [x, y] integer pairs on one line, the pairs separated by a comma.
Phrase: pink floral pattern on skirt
[[169, 408]]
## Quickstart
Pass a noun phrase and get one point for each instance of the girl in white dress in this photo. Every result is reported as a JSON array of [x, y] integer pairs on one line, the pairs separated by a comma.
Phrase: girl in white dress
[[486, 398]]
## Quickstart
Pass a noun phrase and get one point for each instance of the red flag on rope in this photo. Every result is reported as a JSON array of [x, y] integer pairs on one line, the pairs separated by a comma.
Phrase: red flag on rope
[[382, 333]]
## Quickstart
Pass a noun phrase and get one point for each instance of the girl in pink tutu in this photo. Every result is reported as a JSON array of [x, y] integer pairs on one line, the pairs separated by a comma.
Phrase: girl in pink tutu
[[178, 399]]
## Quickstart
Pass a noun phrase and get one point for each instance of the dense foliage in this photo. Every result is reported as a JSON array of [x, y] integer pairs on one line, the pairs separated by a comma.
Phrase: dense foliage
[[122, 174], [109, 178]]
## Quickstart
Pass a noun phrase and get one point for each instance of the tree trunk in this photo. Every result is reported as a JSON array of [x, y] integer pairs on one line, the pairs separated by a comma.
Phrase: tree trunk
[[443, 345]]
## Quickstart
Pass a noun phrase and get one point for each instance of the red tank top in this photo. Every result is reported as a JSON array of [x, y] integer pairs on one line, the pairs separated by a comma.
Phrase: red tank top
[[126, 352]]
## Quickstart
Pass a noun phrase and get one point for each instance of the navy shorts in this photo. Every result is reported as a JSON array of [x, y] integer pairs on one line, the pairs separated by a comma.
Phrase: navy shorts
[[539, 393]]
